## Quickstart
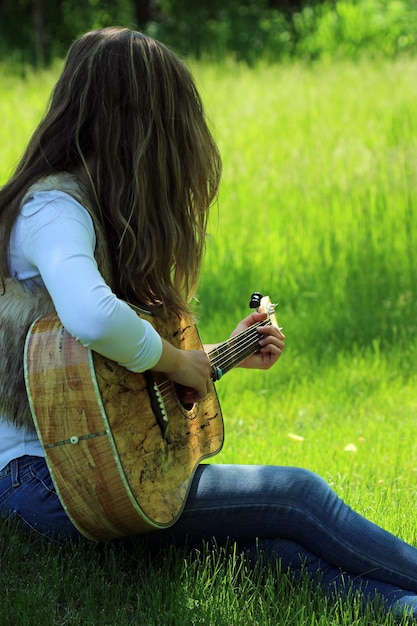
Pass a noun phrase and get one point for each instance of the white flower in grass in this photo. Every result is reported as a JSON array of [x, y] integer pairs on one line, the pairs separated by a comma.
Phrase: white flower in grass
[[295, 437]]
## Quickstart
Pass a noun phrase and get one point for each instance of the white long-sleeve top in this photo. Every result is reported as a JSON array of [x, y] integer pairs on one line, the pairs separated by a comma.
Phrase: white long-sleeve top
[[53, 243]]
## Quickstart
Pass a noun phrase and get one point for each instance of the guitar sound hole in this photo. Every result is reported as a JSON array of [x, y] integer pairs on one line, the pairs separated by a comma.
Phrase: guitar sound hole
[[179, 392]]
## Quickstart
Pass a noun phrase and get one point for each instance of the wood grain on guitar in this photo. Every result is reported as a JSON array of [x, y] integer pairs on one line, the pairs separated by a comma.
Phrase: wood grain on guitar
[[121, 447]]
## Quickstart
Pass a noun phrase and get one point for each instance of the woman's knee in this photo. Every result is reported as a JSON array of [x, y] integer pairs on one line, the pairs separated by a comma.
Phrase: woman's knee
[[301, 484]]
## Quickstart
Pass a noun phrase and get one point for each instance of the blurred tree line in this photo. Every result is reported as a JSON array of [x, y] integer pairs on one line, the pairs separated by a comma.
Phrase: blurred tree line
[[36, 31]]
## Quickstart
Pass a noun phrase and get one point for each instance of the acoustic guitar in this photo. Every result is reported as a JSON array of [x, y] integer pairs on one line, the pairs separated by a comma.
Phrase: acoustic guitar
[[122, 447]]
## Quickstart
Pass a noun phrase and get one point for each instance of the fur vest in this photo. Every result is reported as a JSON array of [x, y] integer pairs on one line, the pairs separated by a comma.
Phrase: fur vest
[[21, 304]]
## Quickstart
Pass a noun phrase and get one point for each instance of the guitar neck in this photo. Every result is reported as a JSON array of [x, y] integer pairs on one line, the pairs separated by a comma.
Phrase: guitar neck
[[232, 352]]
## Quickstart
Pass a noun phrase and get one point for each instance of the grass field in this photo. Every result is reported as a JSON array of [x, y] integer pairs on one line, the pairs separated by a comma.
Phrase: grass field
[[317, 209]]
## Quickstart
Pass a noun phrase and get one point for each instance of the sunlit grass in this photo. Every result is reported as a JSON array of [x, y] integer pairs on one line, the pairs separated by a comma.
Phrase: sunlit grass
[[22, 104], [316, 209], [317, 201]]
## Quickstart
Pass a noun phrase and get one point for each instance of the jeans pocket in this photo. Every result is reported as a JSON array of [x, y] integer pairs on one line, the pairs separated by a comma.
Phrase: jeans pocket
[[6, 489], [35, 503], [40, 473]]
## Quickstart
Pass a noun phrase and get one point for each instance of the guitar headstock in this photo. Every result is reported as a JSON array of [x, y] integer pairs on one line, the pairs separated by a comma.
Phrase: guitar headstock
[[263, 304]]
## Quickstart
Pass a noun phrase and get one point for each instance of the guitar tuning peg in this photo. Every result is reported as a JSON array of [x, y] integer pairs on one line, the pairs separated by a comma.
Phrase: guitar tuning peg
[[255, 300]]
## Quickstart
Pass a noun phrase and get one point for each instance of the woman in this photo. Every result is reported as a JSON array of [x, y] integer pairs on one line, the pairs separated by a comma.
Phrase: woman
[[110, 204]]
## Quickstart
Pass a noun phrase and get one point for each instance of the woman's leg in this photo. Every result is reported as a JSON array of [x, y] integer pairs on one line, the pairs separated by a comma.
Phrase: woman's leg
[[288, 513], [296, 516], [332, 579]]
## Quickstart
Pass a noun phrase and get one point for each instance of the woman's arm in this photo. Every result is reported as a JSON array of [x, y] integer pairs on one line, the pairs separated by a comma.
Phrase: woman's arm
[[61, 251], [57, 238]]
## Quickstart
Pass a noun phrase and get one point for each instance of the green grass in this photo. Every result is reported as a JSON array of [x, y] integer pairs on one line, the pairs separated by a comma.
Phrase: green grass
[[22, 104], [316, 209], [83, 587], [317, 203]]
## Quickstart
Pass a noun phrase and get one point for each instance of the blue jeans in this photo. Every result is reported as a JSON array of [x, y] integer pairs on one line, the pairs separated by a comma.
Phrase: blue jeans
[[27, 495], [287, 513]]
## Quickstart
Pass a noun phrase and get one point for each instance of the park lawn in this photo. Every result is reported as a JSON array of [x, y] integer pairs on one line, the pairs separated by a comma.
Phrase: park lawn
[[317, 210]]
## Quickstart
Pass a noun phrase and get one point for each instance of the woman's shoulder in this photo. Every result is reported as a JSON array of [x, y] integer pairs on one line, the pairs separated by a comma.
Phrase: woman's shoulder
[[53, 206]]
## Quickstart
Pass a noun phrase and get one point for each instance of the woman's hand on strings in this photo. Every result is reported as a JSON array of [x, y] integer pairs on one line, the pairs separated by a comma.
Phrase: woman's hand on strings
[[189, 368], [271, 342]]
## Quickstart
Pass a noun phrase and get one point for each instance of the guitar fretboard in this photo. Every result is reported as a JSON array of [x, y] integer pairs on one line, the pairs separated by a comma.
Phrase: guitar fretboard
[[232, 352]]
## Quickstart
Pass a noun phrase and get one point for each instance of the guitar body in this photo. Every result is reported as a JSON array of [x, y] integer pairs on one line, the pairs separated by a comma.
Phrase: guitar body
[[121, 447]]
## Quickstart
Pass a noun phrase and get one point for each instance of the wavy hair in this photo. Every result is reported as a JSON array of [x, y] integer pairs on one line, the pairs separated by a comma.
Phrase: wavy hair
[[125, 114]]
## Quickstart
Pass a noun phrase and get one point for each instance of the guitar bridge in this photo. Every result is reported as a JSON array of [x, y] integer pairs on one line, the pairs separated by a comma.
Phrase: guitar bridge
[[158, 405]]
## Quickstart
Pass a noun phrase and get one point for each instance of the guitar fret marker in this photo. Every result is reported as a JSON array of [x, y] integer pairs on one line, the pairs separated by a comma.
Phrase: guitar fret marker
[[74, 439]]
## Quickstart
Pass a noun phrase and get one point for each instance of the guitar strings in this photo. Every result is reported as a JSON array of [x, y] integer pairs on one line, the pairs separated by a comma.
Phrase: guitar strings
[[227, 357]]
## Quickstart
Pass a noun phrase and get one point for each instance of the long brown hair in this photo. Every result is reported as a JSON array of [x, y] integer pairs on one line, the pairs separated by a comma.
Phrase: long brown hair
[[126, 115]]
